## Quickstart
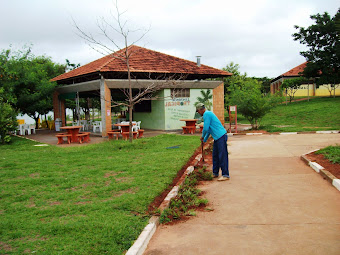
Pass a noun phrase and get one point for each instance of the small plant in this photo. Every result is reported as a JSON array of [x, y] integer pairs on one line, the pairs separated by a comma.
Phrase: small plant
[[187, 199], [332, 153]]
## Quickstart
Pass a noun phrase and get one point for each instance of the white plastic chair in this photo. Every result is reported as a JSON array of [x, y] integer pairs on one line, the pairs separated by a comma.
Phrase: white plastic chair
[[32, 128], [89, 124], [97, 125], [84, 125], [136, 127], [20, 129], [75, 123], [26, 127]]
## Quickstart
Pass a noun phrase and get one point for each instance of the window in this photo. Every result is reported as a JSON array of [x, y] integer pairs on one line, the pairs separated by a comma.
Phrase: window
[[144, 106], [176, 93]]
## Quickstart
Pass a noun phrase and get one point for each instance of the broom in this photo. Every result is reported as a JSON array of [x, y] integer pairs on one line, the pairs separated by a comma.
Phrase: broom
[[202, 151]]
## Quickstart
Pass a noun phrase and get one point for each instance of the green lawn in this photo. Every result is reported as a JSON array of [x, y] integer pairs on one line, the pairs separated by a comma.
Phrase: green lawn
[[317, 114], [83, 200]]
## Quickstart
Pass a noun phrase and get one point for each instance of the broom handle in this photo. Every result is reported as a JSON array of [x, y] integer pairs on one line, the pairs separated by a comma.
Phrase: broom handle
[[202, 151]]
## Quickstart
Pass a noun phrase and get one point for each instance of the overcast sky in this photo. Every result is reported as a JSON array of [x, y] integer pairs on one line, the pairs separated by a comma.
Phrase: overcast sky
[[256, 34]]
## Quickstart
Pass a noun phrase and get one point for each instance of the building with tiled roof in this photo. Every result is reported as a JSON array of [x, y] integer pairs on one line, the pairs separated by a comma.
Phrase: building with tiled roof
[[108, 75], [276, 83], [308, 89], [142, 62]]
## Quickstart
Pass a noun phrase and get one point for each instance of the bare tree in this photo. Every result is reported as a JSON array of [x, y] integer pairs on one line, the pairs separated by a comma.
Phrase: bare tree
[[331, 88], [113, 47]]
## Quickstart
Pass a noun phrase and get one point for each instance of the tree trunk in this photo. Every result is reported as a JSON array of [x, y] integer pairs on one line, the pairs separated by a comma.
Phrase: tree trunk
[[130, 93], [36, 119], [308, 91], [130, 124], [46, 122]]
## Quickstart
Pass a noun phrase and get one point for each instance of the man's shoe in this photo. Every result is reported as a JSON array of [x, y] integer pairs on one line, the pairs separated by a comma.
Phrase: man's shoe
[[215, 176], [223, 178]]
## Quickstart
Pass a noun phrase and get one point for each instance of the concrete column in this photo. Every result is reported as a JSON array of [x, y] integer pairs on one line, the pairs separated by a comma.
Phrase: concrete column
[[271, 89], [105, 100], [218, 102]]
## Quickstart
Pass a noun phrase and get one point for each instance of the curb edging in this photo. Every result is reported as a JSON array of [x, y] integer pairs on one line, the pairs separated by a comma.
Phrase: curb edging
[[289, 133], [140, 245], [321, 170]]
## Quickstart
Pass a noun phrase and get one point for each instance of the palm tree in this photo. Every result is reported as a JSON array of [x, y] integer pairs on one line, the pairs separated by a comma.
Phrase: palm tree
[[205, 99]]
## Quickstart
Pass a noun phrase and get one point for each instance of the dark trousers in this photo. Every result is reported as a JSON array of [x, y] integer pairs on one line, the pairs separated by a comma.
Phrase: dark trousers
[[220, 156]]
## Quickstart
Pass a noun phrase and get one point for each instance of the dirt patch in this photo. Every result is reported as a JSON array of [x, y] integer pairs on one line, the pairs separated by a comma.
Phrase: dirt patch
[[124, 179], [55, 203], [5, 246], [35, 175], [122, 192], [83, 203], [334, 169], [109, 174]]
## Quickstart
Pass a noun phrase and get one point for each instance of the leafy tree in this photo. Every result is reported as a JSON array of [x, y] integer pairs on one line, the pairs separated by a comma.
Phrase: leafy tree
[[291, 86], [251, 103], [8, 114], [8, 121], [233, 82], [31, 87], [323, 54], [265, 83], [70, 66]]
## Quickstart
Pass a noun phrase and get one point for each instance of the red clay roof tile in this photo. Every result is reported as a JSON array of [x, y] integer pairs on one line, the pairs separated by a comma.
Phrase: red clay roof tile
[[145, 61], [296, 71]]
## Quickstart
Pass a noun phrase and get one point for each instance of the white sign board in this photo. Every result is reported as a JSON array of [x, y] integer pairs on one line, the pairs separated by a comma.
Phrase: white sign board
[[233, 108]]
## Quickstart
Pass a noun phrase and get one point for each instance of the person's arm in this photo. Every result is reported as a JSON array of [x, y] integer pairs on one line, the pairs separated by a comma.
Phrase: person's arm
[[205, 132]]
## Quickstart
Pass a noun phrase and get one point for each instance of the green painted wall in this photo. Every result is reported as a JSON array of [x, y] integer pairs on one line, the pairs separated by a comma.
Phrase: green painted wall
[[166, 114], [154, 119], [180, 108]]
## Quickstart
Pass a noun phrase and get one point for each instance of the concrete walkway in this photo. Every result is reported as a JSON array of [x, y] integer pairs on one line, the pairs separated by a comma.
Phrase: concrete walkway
[[273, 204]]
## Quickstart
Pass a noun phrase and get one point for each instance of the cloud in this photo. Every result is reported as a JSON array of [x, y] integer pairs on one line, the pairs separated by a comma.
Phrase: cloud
[[254, 34]]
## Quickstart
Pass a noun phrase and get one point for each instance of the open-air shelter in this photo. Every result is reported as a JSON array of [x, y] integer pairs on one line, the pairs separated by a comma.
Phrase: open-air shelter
[[107, 76]]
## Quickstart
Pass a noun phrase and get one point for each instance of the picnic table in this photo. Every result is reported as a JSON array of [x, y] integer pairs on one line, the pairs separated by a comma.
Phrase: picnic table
[[73, 131], [190, 126], [125, 129]]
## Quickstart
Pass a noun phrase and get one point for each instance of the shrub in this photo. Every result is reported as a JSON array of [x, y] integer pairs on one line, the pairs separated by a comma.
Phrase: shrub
[[251, 103], [8, 121]]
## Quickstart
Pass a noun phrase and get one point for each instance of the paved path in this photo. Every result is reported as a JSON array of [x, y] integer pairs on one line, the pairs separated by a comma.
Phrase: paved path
[[273, 204]]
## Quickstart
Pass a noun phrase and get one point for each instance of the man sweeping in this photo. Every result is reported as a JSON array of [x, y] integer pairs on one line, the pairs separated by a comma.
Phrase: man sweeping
[[213, 126]]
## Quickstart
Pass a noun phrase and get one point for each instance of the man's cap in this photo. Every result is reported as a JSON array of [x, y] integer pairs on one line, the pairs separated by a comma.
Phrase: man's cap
[[200, 106]]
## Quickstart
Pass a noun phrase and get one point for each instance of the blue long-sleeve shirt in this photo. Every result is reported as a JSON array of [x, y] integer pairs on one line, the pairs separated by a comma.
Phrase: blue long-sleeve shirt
[[212, 126]]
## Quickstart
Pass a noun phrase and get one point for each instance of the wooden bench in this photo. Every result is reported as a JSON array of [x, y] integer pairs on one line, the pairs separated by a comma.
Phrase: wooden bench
[[189, 129], [125, 135], [60, 137], [140, 133], [83, 137], [112, 134]]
